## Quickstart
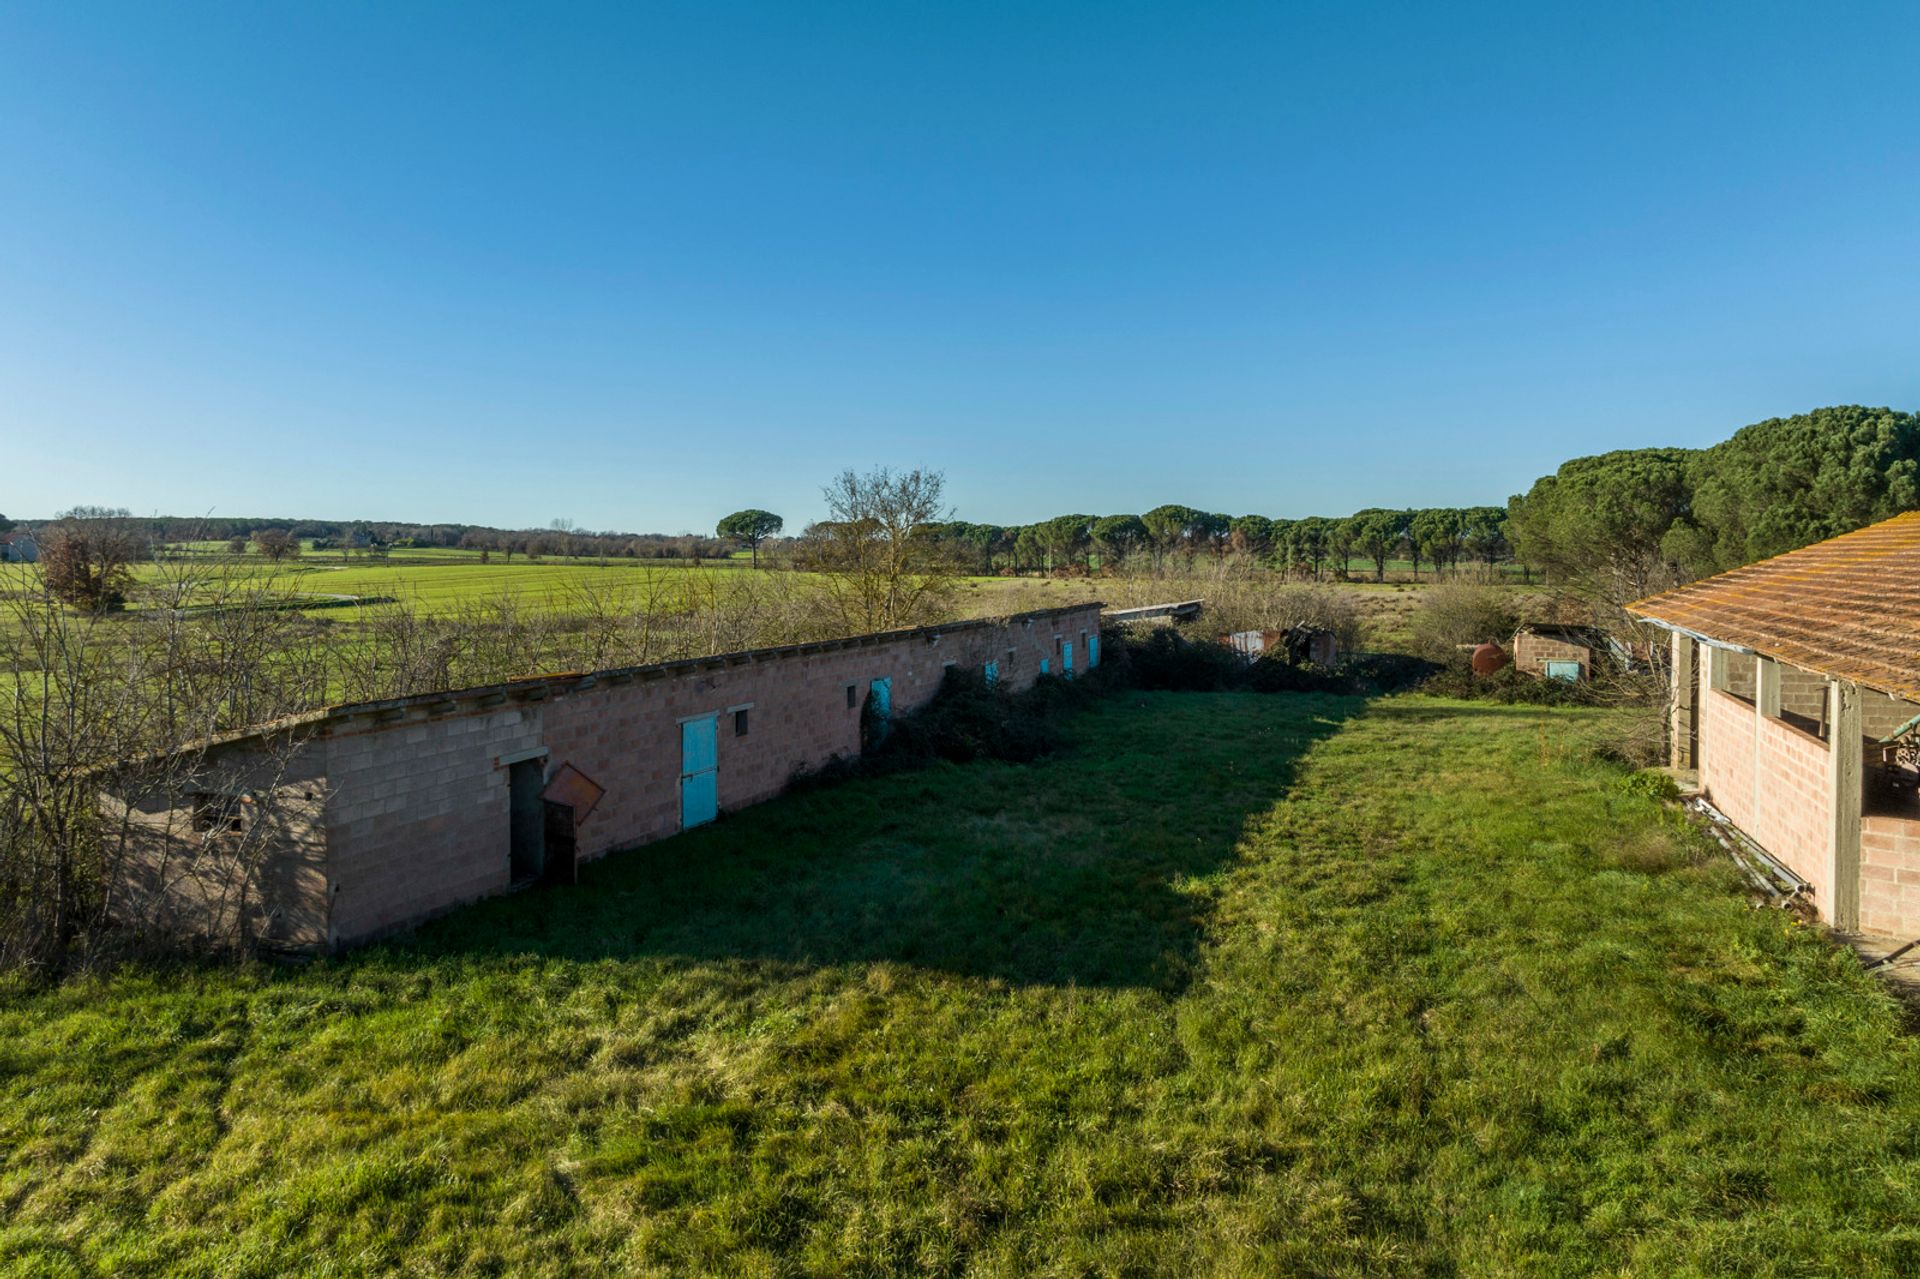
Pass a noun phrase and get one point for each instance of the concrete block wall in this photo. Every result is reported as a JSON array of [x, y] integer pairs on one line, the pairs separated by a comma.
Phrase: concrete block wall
[[418, 814], [185, 882], [1770, 778], [1890, 875], [1532, 652], [799, 716], [1802, 693]]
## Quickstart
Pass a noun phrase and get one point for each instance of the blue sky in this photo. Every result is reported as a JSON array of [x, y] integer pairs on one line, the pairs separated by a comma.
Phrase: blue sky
[[640, 265]]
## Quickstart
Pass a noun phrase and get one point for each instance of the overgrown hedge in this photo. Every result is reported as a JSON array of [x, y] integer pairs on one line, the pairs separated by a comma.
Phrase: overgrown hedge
[[1509, 685], [968, 719]]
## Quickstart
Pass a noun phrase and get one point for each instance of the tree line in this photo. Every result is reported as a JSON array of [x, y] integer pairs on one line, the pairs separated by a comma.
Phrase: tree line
[[1622, 525], [1433, 538]]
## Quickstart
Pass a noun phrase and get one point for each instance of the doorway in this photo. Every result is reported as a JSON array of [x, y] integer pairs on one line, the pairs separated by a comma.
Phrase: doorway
[[527, 855]]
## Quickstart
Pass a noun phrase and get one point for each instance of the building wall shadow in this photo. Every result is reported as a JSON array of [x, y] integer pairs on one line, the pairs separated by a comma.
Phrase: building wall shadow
[[1080, 868]]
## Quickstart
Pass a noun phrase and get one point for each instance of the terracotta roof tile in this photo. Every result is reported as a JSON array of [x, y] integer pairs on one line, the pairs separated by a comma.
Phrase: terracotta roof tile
[[1848, 607]]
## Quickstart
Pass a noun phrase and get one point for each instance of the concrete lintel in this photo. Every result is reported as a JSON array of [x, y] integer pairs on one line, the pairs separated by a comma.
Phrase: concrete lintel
[[521, 757]]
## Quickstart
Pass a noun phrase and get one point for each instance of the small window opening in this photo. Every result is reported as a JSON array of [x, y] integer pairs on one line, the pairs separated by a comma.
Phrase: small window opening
[[1056, 643], [852, 696], [217, 814], [740, 723], [1736, 673], [1010, 656]]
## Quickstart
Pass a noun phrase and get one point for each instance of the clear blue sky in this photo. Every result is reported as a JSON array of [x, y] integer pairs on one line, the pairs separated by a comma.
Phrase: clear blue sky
[[640, 265]]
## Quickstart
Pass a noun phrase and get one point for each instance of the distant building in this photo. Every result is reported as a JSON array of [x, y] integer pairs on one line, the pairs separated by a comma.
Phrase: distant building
[[1796, 694], [1296, 645], [19, 547], [1564, 652]]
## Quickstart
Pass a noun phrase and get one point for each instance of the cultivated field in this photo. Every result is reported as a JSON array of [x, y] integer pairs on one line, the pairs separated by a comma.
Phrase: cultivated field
[[1238, 985], [440, 583]]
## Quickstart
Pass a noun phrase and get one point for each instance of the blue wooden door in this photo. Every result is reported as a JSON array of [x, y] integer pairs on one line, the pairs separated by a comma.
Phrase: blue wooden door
[[1066, 658], [991, 673], [1045, 666], [1093, 651], [699, 771], [880, 693]]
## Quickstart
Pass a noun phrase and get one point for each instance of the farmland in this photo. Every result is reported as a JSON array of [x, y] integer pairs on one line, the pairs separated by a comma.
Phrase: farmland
[[1236, 984], [443, 582]]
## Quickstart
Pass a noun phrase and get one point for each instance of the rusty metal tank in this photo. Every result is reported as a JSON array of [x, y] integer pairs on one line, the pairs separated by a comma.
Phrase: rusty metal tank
[[1489, 658]]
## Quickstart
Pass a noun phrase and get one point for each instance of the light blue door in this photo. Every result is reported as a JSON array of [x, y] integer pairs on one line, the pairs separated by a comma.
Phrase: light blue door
[[881, 695], [699, 771], [1066, 658], [1093, 651], [1044, 666], [991, 673]]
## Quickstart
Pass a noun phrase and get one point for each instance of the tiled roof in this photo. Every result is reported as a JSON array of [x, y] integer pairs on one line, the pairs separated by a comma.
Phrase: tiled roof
[[1848, 607]]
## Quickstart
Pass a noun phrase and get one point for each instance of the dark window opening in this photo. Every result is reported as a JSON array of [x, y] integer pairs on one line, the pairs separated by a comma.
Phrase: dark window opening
[[740, 723], [217, 813], [852, 695], [1010, 656]]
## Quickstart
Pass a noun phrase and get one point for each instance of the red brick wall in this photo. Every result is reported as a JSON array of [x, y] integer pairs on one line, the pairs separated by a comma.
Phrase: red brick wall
[[419, 817], [1890, 875], [1783, 803]]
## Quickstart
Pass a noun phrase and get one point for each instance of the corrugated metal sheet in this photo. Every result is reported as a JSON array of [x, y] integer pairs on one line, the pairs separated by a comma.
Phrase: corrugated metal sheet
[[1848, 607]]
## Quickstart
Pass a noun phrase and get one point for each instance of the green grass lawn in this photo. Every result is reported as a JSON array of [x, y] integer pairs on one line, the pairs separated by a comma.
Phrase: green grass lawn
[[1238, 985]]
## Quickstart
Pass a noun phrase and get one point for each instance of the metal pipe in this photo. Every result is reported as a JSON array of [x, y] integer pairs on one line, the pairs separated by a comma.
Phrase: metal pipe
[[1749, 849]]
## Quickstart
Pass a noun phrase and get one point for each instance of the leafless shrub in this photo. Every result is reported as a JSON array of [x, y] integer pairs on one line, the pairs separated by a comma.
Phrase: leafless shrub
[[1454, 614], [93, 714]]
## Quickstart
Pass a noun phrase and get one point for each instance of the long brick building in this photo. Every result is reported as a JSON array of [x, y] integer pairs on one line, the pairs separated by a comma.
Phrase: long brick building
[[377, 815], [1796, 694]]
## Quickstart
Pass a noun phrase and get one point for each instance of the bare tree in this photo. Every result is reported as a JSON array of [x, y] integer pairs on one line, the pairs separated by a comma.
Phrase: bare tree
[[879, 567], [99, 721]]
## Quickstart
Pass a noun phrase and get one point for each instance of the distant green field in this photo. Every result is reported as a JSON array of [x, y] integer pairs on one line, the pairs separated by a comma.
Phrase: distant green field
[[441, 581]]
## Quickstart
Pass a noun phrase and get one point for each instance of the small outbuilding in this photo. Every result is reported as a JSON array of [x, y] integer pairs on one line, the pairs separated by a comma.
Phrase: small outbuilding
[[1796, 696], [19, 547], [1560, 652], [1295, 645]]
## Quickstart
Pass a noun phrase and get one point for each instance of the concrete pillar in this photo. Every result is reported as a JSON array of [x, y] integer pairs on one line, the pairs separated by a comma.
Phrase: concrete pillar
[[1766, 688], [1843, 780], [1683, 728]]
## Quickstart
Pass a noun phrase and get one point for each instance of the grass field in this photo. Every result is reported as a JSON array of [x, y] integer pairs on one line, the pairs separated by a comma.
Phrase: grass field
[[437, 582], [1238, 985]]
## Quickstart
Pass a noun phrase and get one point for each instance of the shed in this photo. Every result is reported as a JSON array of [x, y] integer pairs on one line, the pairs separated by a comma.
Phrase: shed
[[1796, 683], [1295, 645], [1562, 652], [19, 547]]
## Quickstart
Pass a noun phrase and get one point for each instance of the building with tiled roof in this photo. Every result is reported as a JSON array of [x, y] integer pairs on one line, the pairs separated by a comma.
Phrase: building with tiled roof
[[1796, 696]]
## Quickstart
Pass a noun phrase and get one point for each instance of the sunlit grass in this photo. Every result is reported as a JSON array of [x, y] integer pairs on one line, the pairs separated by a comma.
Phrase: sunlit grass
[[1238, 985]]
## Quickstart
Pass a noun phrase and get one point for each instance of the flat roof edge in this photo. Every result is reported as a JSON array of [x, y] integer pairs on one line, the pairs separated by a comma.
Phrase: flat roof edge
[[529, 686]]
